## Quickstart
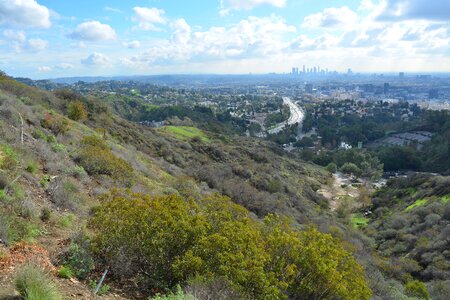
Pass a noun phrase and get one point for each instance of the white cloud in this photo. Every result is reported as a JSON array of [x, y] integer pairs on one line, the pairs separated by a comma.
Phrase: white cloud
[[324, 42], [335, 18], [18, 41], [394, 10], [182, 31], [24, 13], [132, 44], [93, 31], [15, 36], [44, 69], [252, 37], [65, 66], [228, 5], [37, 45], [148, 18], [96, 59], [250, 4], [366, 5], [112, 9]]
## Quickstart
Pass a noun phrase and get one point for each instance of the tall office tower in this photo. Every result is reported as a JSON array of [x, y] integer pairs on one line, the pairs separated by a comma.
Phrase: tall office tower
[[315, 69], [304, 69], [293, 71], [401, 74], [386, 88], [349, 71]]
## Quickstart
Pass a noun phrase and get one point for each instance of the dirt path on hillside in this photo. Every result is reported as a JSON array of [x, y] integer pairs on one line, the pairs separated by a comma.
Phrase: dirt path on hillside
[[340, 188]]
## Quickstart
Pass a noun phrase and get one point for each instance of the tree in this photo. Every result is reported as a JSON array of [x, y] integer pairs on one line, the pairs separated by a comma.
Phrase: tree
[[331, 167], [305, 142], [350, 168]]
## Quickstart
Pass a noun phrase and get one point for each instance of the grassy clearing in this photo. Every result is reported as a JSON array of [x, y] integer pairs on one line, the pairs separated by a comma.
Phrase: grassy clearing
[[417, 203], [358, 220], [185, 132]]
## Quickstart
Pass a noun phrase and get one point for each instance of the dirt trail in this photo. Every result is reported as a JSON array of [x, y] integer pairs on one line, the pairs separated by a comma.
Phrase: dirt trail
[[340, 188]]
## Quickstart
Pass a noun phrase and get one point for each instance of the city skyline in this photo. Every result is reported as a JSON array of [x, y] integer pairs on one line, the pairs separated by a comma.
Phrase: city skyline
[[109, 37]]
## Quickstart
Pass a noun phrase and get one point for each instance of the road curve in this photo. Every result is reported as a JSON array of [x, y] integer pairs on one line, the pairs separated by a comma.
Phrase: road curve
[[297, 115]]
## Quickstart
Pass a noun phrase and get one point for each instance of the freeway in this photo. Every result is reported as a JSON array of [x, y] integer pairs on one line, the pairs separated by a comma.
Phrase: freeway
[[297, 115]]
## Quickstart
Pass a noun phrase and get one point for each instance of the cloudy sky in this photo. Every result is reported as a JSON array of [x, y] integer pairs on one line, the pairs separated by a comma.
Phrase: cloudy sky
[[55, 38]]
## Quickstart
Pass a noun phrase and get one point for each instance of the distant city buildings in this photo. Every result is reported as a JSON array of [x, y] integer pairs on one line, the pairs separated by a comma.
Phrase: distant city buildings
[[386, 88], [433, 94], [316, 70]]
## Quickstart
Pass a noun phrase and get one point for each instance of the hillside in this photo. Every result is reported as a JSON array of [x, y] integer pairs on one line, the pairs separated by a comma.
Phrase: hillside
[[174, 209], [52, 179], [410, 226]]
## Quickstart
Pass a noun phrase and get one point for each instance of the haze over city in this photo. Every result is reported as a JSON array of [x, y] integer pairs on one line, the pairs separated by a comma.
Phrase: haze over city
[[53, 38]]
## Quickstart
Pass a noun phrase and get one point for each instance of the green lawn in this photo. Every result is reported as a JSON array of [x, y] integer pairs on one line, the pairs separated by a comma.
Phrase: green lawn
[[358, 220], [417, 203], [185, 132]]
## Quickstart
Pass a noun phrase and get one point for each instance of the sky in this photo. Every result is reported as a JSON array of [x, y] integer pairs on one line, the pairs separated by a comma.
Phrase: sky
[[55, 38]]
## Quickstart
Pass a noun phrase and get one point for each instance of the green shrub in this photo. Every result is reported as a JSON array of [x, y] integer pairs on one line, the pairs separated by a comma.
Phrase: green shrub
[[79, 260], [331, 167], [77, 171], [39, 134], [167, 240], [76, 111], [32, 167], [46, 214], [177, 295], [416, 288], [8, 157], [32, 283], [4, 181], [65, 272], [104, 289], [45, 181], [97, 159], [274, 186], [67, 220], [58, 147], [51, 139], [56, 123], [94, 141]]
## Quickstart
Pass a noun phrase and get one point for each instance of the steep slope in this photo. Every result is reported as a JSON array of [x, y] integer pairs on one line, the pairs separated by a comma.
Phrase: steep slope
[[411, 228], [52, 177]]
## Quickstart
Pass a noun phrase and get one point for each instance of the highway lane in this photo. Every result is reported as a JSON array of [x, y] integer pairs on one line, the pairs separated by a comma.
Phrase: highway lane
[[297, 115]]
